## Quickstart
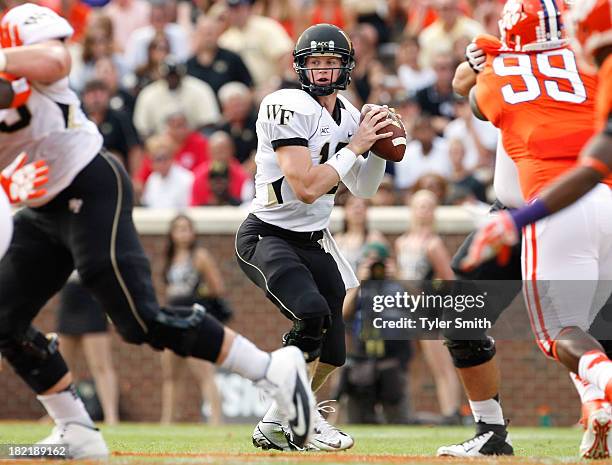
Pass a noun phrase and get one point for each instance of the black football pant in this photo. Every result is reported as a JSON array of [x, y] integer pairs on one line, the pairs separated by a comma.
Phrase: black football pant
[[298, 276], [88, 226]]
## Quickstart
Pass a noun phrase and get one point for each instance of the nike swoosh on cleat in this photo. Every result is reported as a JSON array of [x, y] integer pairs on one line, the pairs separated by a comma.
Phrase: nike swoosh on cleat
[[299, 425], [335, 445]]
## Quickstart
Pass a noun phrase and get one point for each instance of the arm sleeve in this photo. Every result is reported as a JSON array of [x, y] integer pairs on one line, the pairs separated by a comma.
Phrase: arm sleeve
[[37, 24], [365, 176]]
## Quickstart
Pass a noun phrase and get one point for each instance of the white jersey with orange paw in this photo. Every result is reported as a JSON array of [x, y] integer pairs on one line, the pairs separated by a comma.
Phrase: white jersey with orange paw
[[51, 124]]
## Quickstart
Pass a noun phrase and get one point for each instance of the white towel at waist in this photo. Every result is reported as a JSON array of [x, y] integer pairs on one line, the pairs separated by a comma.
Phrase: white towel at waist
[[348, 276]]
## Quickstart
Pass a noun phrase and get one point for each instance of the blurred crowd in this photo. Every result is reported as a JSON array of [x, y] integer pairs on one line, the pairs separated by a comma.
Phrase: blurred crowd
[[175, 85]]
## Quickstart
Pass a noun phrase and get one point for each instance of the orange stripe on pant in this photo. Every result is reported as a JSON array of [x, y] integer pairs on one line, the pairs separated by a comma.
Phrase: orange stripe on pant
[[543, 341]]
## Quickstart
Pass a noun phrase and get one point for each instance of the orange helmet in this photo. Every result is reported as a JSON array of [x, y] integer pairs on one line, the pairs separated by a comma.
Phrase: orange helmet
[[533, 25], [590, 23]]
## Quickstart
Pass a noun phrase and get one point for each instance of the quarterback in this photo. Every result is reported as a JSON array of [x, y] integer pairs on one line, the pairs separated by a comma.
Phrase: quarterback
[[309, 140], [84, 221]]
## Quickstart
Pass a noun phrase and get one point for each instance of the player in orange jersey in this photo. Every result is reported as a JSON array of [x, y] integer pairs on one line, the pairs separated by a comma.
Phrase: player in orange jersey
[[591, 22], [532, 90]]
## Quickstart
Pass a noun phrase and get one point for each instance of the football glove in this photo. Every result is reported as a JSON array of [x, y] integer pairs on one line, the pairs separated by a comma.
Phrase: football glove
[[21, 89], [9, 36], [493, 239], [475, 57], [22, 181]]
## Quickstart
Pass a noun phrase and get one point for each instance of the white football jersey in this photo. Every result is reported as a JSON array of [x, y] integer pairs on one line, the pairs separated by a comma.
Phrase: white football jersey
[[51, 125], [293, 117]]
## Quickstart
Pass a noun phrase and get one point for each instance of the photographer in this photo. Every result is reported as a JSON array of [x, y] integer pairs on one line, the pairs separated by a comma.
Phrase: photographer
[[376, 369]]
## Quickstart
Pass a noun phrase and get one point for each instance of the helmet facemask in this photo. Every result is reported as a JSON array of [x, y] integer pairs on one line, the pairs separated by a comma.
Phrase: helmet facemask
[[306, 75]]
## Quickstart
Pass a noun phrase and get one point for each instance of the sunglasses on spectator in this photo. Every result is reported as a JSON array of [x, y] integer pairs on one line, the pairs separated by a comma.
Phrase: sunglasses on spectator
[[160, 158]]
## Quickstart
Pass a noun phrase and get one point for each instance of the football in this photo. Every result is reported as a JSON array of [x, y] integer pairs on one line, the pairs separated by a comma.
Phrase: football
[[390, 148]]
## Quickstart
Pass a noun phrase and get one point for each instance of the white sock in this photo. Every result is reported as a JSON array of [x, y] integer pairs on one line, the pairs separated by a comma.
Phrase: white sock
[[487, 411], [596, 368], [273, 414], [246, 359], [586, 390], [65, 407]]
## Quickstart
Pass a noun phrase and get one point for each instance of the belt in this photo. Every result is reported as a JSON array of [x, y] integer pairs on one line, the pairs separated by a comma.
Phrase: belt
[[268, 229]]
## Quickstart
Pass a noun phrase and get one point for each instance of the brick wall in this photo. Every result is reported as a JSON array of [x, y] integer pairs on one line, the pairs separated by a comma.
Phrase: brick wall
[[529, 380]]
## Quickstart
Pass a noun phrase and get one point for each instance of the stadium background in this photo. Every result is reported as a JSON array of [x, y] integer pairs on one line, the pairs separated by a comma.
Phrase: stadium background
[[532, 386]]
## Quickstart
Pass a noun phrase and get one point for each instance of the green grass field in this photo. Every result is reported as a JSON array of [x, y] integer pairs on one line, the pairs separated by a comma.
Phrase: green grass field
[[190, 444]]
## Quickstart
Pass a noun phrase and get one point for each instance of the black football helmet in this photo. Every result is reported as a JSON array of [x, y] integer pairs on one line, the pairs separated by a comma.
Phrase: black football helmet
[[324, 39]]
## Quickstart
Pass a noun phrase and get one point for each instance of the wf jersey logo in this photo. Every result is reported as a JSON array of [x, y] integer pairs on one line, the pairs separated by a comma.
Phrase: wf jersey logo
[[279, 115]]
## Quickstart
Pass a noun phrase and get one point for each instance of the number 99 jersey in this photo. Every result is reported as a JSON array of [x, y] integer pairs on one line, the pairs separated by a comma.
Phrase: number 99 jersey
[[292, 117], [51, 124], [544, 107]]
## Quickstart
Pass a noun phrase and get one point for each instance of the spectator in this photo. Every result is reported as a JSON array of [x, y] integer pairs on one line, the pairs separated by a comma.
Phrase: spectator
[[479, 137], [169, 185], [371, 12], [421, 257], [76, 13], [239, 119], [431, 182], [239, 184], [160, 22], [117, 129], [385, 195], [157, 52], [365, 42], [426, 153], [437, 100], [407, 107], [356, 233], [175, 91], [375, 374], [191, 146], [260, 41], [219, 186], [286, 12], [83, 328], [419, 15], [439, 37], [120, 100], [412, 76], [97, 44], [328, 11], [212, 64], [191, 276], [127, 16], [462, 179]]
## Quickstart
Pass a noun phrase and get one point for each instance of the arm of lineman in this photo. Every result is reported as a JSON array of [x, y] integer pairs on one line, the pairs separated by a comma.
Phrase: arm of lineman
[[464, 79], [309, 182], [46, 62]]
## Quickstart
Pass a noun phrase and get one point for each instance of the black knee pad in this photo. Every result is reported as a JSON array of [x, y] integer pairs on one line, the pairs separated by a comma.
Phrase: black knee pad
[[307, 335], [311, 305], [35, 358], [333, 348], [187, 331], [467, 354]]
